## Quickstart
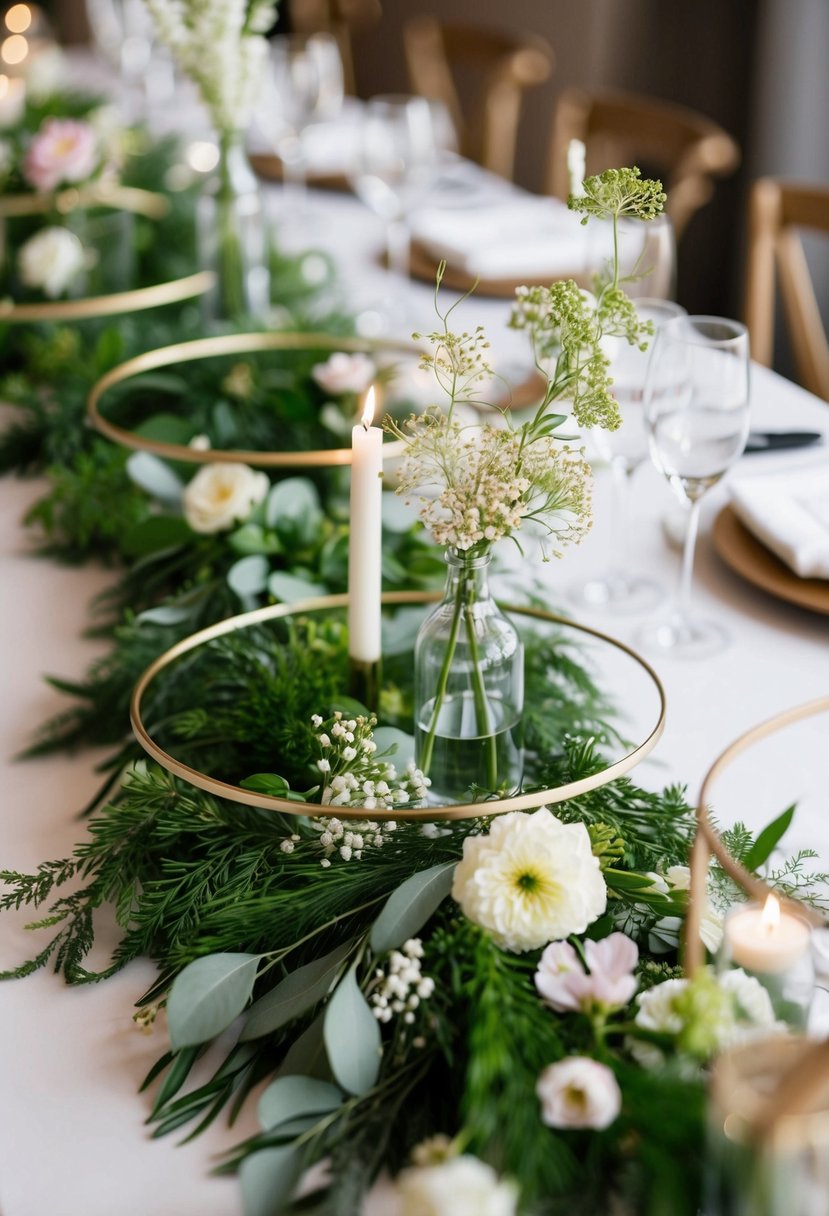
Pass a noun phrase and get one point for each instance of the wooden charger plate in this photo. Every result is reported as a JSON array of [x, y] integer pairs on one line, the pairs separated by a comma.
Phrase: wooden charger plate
[[423, 264], [747, 556], [269, 167]]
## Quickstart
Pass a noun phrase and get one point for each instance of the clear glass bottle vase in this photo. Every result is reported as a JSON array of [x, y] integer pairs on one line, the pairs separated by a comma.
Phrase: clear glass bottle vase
[[469, 689], [232, 236]]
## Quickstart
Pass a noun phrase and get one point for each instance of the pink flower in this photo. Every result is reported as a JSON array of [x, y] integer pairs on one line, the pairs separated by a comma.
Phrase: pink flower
[[565, 985], [344, 373], [64, 150], [578, 1092]]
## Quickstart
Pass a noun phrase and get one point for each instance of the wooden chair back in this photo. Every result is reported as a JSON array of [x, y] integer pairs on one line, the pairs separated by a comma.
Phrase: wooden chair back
[[497, 65], [777, 210], [687, 149]]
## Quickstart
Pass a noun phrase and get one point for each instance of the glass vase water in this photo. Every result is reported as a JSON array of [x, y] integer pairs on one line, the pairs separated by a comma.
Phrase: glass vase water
[[469, 689]]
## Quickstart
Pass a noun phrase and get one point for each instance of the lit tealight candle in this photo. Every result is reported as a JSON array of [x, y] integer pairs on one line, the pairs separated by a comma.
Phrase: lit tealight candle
[[365, 548], [766, 940]]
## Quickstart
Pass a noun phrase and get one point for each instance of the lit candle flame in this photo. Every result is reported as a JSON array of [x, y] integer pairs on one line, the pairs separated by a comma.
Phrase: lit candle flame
[[368, 409], [770, 916]]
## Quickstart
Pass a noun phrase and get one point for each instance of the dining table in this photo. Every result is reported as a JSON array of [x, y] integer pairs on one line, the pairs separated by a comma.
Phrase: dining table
[[73, 1136]]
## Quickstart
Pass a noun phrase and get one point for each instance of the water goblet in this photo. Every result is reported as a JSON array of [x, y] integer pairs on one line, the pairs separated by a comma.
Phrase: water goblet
[[697, 417], [303, 85], [402, 144], [624, 451]]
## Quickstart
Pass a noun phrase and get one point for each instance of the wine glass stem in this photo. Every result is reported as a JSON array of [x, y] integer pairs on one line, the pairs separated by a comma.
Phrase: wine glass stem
[[294, 177], [683, 596], [397, 247]]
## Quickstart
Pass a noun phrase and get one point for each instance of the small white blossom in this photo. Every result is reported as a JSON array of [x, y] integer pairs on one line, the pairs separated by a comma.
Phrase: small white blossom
[[324, 766]]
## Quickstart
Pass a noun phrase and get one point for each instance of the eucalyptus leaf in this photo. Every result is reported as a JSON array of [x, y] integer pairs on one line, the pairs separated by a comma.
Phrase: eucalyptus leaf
[[408, 908], [166, 428], [768, 840], [156, 477], [164, 614], [292, 505], [306, 1056], [401, 630], [156, 533], [273, 784], [290, 587], [390, 737], [253, 538], [397, 516], [352, 1037], [294, 995], [268, 1178], [249, 576], [208, 995], [293, 1097]]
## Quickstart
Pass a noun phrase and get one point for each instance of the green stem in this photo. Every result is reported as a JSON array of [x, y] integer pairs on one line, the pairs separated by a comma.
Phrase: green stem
[[479, 692], [230, 263], [443, 680]]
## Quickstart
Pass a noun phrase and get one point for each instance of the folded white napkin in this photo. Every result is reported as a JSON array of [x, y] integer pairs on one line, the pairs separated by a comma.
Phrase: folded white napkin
[[789, 513], [507, 239]]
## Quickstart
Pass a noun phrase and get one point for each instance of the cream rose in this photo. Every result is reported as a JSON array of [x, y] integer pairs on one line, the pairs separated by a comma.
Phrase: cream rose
[[578, 1092], [221, 495], [50, 260], [64, 150], [531, 880], [461, 1186]]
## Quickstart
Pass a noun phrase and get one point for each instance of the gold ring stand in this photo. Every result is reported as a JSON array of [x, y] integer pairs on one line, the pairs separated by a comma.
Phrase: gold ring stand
[[237, 344], [519, 802], [117, 198], [708, 841]]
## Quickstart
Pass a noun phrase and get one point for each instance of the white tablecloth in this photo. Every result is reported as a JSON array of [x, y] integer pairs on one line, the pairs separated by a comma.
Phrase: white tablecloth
[[72, 1140]]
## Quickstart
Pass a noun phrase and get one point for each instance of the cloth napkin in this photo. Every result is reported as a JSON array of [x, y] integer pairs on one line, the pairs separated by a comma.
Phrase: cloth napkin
[[508, 239], [789, 513]]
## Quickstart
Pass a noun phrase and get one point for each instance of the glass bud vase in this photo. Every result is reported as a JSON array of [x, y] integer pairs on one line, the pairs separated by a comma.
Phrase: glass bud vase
[[232, 236], [469, 690]]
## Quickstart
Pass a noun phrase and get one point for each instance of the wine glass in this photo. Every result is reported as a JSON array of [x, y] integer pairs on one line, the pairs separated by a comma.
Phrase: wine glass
[[624, 450], [402, 144], [303, 85], [697, 416]]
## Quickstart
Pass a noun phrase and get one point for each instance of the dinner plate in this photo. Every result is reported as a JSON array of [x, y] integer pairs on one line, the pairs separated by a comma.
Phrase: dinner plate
[[423, 264], [748, 557]]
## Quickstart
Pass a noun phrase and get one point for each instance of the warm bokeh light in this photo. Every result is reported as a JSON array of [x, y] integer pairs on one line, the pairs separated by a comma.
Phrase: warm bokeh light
[[368, 409], [202, 156], [18, 18], [14, 49], [770, 916]]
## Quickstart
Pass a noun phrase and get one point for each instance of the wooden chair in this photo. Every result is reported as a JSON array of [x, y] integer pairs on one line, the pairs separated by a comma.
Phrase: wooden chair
[[777, 209], [497, 65], [685, 148]]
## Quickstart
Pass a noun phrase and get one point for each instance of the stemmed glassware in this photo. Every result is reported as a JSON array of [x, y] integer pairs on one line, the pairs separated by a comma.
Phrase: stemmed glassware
[[402, 143], [697, 416], [303, 85], [624, 450]]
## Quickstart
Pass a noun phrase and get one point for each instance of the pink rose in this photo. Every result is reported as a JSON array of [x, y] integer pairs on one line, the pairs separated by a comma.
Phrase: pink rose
[[344, 373], [565, 985], [64, 150]]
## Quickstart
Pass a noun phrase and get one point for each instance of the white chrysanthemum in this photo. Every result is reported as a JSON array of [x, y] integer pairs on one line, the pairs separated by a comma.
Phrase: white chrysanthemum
[[50, 260], [657, 1007], [221, 495], [461, 1186], [531, 880]]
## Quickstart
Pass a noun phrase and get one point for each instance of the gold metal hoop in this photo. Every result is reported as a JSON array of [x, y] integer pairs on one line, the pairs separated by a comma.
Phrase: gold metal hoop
[[708, 842], [237, 344], [100, 194], [88, 307], [470, 810]]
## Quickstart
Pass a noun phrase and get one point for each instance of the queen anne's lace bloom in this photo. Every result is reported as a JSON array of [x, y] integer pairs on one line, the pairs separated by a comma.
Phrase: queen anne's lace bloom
[[530, 880]]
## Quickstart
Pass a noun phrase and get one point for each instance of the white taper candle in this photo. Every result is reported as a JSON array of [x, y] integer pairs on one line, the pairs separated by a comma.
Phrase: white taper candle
[[365, 547]]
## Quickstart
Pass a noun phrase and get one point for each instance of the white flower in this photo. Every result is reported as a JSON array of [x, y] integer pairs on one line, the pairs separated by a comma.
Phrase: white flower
[[50, 260], [342, 373], [578, 1092], [221, 495], [670, 927], [610, 983], [461, 1186], [531, 880], [657, 1007], [752, 998]]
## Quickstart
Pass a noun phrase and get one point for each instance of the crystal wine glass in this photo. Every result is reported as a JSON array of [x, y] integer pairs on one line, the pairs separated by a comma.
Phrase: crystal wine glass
[[697, 416], [619, 589], [402, 143], [303, 85]]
